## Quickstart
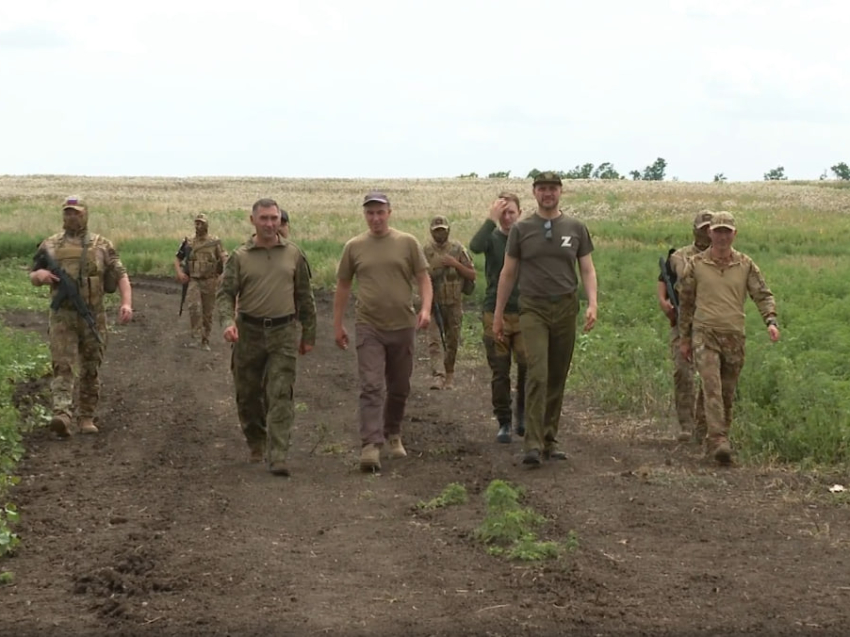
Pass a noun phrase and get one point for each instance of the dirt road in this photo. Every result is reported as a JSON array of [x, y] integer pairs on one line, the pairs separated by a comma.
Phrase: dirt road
[[160, 526]]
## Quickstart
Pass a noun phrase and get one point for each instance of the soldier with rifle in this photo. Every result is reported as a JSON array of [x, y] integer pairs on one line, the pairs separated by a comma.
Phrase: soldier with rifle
[[452, 276], [80, 267], [689, 405], [199, 263]]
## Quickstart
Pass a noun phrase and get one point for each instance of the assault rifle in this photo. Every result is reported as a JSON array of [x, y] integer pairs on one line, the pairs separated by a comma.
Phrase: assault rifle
[[669, 278], [438, 315], [67, 290], [185, 267]]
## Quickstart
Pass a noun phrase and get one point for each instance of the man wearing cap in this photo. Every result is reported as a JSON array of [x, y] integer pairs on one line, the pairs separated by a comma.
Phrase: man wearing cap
[[712, 293], [271, 279], [92, 264], [199, 262], [386, 263], [543, 251], [451, 266], [688, 409], [491, 240]]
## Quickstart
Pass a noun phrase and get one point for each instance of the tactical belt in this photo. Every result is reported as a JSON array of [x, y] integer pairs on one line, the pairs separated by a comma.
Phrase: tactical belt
[[267, 322]]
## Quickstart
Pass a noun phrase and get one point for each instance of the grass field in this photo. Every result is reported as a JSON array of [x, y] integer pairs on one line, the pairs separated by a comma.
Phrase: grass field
[[794, 396]]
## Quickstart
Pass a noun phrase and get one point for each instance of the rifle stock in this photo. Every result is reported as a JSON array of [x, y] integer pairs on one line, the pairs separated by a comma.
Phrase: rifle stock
[[664, 264]]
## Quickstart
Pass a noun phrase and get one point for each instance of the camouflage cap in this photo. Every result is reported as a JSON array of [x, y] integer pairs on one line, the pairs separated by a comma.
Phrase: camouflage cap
[[376, 196], [75, 203], [548, 177], [702, 219], [722, 220], [439, 222], [201, 217]]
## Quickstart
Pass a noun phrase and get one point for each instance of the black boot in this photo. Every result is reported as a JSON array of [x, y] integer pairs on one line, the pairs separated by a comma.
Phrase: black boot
[[504, 434]]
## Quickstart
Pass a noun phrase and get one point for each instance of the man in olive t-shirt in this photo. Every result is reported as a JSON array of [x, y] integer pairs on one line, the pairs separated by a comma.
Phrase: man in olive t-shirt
[[543, 249], [270, 277], [386, 263]]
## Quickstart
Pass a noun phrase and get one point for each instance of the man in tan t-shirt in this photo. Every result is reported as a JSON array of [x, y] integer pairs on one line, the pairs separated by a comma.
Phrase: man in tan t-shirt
[[712, 293], [270, 277], [543, 251], [386, 263]]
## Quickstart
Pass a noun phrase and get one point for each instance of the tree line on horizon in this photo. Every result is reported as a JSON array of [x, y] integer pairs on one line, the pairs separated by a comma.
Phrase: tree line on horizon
[[655, 171]]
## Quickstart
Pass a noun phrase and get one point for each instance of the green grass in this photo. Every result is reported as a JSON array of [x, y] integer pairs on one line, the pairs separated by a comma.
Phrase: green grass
[[453, 494]]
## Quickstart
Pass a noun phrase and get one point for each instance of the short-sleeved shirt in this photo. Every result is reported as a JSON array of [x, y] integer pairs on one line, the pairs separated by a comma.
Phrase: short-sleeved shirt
[[547, 266], [491, 241], [386, 267]]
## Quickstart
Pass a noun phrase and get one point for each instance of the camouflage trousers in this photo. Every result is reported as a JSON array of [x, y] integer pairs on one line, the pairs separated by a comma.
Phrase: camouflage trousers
[[200, 297], [443, 363], [76, 358], [263, 363], [548, 328], [499, 358], [719, 358], [690, 404]]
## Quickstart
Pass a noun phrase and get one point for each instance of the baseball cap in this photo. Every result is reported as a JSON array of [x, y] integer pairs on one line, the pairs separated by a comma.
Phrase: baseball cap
[[722, 220], [377, 196], [439, 222], [548, 177], [201, 217], [284, 216], [75, 203], [703, 219]]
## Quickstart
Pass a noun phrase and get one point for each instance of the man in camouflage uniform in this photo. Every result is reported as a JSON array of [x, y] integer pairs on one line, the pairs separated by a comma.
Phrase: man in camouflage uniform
[[712, 293], [450, 266], [92, 264], [688, 407], [490, 240], [199, 263], [543, 251], [271, 278]]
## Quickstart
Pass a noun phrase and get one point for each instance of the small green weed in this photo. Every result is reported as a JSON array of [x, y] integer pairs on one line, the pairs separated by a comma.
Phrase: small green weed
[[454, 493]]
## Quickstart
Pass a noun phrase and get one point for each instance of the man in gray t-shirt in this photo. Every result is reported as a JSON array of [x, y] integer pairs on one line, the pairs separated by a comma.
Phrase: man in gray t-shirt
[[543, 250]]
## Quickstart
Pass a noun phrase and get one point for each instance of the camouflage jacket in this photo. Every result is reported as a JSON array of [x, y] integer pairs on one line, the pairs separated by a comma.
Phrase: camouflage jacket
[[448, 283], [101, 261], [206, 256]]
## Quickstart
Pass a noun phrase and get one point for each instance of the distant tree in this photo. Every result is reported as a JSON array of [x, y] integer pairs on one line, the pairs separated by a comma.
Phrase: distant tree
[[776, 174], [585, 171], [468, 176], [655, 172], [606, 170], [718, 177], [842, 171], [635, 174], [500, 175], [533, 173]]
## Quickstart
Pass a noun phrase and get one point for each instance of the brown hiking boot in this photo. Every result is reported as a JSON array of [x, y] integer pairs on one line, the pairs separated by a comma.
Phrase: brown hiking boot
[[448, 382], [370, 458], [437, 381], [87, 426], [60, 424], [278, 468], [258, 453], [723, 453], [397, 449]]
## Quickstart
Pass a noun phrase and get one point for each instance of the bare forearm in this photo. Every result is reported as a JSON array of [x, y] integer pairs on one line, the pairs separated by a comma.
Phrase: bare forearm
[[507, 280], [343, 291], [125, 290], [426, 290]]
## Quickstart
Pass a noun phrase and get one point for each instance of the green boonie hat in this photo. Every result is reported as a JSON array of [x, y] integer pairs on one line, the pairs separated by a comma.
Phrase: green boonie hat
[[201, 217], [722, 220], [75, 203], [439, 222], [703, 219], [548, 177]]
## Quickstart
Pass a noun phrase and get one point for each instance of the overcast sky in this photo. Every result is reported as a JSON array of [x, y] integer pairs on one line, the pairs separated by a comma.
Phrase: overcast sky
[[381, 88]]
